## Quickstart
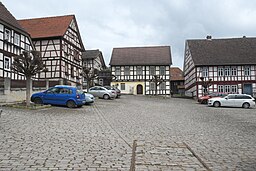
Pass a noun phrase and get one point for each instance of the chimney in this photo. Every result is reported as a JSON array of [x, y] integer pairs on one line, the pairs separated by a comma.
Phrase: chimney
[[208, 37]]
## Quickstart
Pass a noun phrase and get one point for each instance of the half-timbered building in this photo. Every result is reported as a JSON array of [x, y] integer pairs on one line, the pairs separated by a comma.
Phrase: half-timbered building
[[59, 41], [177, 81], [94, 59], [13, 41], [220, 65], [134, 69]]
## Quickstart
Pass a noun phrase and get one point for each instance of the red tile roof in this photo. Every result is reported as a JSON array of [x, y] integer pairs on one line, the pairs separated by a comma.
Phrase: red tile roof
[[7, 17], [176, 74], [47, 27], [152, 55]]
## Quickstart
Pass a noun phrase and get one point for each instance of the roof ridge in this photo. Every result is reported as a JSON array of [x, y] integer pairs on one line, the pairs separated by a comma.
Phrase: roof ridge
[[150, 46], [225, 38], [68, 15]]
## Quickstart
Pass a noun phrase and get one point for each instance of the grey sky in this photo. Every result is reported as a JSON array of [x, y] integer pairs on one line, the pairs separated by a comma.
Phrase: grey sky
[[105, 24]]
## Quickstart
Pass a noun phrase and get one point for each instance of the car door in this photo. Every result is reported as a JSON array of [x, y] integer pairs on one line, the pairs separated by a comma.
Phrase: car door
[[228, 100], [50, 96], [63, 96], [93, 91], [101, 91]]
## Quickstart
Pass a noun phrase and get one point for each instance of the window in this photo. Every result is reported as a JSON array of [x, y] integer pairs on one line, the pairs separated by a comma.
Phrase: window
[[126, 70], [72, 71], [7, 63], [117, 71], [152, 70], [65, 91], [76, 54], [234, 88], [139, 70], [227, 88], [227, 71], [247, 71], [54, 90], [152, 86], [26, 47], [162, 70], [204, 72], [7, 35], [122, 86], [162, 86], [233, 71], [220, 72], [16, 39], [220, 88]]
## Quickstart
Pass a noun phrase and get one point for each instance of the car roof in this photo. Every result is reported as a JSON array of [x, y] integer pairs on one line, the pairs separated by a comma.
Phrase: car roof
[[64, 86]]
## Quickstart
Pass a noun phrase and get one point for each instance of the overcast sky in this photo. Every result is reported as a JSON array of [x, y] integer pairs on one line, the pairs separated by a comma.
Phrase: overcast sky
[[105, 24]]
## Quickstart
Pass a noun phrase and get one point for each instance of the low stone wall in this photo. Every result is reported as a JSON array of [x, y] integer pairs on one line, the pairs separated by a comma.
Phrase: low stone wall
[[17, 94]]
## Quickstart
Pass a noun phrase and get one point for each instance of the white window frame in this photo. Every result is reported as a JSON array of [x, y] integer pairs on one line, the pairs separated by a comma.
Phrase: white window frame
[[220, 88], [220, 72], [16, 39], [7, 35], [118, 71], [162, 86], [152, 70], [7, 63], [234, 71], [152, 86], [227, 71], [234, 88], [139, 70], [162, 70], [204, 72], [247, 71], [127, 70], [227, 88]]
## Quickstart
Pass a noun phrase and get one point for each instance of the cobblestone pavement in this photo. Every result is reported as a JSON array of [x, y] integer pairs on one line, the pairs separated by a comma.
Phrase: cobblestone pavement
[[134, 132]]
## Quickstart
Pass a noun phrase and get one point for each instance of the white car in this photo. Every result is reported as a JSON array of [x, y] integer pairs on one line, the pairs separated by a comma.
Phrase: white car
[[233, 100], [89, 98]]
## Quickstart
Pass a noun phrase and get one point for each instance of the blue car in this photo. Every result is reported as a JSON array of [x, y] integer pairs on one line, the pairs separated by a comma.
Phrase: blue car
[[60, 95]]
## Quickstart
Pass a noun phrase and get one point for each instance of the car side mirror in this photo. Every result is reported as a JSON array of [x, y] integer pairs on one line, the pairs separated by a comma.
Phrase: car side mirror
[[226, 98]]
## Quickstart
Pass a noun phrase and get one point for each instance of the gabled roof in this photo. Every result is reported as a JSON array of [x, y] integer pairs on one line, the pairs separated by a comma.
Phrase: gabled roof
[[8, 18], [176, 74], [153, 55], [93, 54], [47, 27], [233, 51]]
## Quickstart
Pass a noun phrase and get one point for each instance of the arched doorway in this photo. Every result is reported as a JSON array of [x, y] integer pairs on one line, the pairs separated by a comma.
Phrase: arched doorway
[[139, 89]]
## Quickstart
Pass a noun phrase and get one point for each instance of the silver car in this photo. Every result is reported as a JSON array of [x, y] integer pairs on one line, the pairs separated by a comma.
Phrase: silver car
[[102, 92], [233, 100], [89, 98]]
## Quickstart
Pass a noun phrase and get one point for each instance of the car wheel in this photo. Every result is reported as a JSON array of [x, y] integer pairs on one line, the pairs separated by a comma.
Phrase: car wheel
[[246, 105], [71, 104], [216, 104], [106, 97], [38, 101]]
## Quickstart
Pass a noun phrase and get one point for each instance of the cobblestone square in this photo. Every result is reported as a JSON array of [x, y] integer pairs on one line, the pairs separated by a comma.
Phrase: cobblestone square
[[131, 133]]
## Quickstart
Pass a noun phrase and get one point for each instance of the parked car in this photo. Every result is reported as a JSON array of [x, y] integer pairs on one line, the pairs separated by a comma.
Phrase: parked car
[[102, 92], [118, 92], [204, 99], [60, 95], [89, 98], [233, 100]]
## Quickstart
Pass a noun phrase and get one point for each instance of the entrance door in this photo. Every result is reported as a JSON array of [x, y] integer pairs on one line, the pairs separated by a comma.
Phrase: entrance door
[[139, 89], [247, 89]]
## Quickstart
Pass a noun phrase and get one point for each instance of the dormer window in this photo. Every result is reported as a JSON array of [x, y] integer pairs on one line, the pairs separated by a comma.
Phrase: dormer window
[[7, 35]]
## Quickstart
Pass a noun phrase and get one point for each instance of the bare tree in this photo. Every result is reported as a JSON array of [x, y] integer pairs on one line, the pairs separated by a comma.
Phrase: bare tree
[[90, 74], [28, 63], [157, 81]]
